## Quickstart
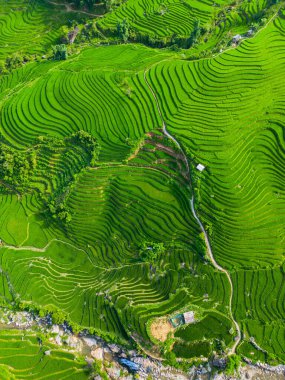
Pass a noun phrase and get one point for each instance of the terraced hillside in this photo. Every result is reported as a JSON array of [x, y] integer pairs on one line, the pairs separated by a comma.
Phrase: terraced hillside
[[163, 18], [102, 207], [30, 27], [204, 25], [228, 113], [24, 356], [90, 268], [78, 94]]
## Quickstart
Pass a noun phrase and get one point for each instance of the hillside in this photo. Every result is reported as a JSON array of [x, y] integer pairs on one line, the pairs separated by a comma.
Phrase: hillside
[[142, 177]]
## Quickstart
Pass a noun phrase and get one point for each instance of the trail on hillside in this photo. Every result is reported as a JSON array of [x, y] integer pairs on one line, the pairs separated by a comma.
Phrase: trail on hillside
[[196, 217], [70, 9]]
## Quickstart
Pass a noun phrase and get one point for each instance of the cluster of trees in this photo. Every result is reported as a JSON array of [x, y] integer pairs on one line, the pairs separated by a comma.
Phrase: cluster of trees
[[60, 52], [126, 33], [56, 203], [14, 61], [16, 166], [150, 251], [59, 211], [81, 139], [123, 30], [89, 143], [200, 246], [89, 4], [233, 364]]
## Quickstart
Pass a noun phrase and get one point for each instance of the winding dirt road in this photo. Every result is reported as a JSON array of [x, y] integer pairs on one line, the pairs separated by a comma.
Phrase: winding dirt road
[[192, 204]]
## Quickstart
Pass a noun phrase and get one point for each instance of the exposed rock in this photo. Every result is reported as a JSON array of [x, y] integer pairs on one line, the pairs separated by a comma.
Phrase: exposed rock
[[74, 342], [132, 353], [114, 348], [88, 360], [58, 340], [114, 372], [90, 341], [55, 329], [107, 350], [98, 353], [219, 362]]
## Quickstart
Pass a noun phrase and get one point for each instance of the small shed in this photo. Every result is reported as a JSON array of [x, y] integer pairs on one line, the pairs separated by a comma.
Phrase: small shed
[[177, 320], [250, 32], [133, 367], [237, 38], [189, 317], [72, 35], [200, 167]]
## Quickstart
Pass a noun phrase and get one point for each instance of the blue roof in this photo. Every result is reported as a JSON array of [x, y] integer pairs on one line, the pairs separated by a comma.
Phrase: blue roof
[[131, 365]]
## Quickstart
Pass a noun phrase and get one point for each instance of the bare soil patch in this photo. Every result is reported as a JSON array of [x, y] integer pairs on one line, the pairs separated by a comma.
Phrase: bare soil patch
[[160, 328]]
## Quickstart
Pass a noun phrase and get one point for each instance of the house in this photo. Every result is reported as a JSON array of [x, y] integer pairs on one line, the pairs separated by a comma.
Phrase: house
[[133, 367], [237, 38], [200, 167], [182, 319], [177, 320], [188, 317], [72, 35]]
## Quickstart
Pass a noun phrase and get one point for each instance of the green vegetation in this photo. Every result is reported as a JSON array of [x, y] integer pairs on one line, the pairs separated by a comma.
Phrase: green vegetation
[[94, 198], [150, 251], [22, 356], [60, 52], [30, 28], [233, 364]]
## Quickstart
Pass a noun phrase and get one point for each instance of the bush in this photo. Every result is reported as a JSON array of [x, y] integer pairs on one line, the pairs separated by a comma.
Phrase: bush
[[150, 251], [233, 364], [60, 52]]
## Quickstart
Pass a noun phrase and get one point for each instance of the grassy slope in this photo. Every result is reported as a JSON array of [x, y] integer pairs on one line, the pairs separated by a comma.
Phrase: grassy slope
[[163, 18], [21, 357], [218, 110], [228, 112], [30, 26]]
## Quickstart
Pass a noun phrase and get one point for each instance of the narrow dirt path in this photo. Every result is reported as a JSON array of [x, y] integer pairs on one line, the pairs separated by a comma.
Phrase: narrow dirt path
[[192, 204], [70, 9]]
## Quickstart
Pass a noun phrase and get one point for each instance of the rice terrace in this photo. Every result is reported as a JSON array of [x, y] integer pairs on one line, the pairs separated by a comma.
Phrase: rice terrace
[[142, 189]]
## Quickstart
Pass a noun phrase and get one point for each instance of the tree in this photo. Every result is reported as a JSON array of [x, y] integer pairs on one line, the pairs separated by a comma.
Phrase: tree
[[150, 252], [195, 35], [123, 30], [233, 364], [108, 4], [90, 144], [59, 211], [60, 52]]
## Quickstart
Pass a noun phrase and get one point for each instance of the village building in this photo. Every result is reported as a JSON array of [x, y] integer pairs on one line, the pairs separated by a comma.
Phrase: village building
[[188, 317], [237, 38], [200, 167], [72, 35]]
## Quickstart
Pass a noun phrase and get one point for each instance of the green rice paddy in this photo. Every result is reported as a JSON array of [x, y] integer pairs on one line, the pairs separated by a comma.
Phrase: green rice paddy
[[227, 112], [23, 357]]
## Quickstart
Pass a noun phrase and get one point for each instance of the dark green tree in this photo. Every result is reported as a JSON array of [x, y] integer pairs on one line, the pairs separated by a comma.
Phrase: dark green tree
[[150, 251], [123, 30], [60, 52]]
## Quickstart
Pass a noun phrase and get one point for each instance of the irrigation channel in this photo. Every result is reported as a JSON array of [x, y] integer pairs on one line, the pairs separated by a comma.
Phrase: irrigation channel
[[192, 204]]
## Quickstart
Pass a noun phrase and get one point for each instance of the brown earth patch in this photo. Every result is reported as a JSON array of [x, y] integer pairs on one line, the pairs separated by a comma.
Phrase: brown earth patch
[[160, 328]]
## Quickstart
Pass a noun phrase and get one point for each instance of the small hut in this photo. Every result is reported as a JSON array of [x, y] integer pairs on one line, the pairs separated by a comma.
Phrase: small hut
[[200, 167], [189, 317]]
